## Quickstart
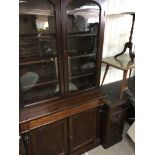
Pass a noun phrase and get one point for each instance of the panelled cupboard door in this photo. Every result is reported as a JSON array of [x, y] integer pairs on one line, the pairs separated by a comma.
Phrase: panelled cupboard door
[[50, 139], [83, 25], [82, 130], [21, 147], [39, 50]]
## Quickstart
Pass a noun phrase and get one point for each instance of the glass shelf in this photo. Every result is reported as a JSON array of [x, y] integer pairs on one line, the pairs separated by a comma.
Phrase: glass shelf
[[82, 35], [75, 55], [36, 94], [82, 75], [35, 62], [42, 84], [37, 34], [83, 82]]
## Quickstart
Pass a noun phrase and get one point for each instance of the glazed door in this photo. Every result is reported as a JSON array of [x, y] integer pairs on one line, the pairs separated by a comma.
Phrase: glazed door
[[39, 50], [51, 139], [82, 42]]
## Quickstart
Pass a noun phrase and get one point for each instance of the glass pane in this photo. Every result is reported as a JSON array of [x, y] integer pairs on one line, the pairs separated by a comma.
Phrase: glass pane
[[82, 40], [38, 52]]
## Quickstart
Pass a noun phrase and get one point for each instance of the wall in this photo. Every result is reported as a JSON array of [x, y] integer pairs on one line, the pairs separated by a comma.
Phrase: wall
[[117, 31]]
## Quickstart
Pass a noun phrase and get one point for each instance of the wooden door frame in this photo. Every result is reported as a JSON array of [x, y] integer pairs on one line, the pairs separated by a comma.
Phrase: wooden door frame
[[57, 7]]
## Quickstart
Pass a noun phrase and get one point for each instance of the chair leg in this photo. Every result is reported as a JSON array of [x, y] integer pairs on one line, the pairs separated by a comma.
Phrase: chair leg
[[105, 73], [124, 82]]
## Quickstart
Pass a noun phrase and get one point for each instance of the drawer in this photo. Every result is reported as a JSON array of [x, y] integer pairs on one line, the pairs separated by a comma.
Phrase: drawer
[[112, 141], [115, 130], [113, 127], [117, 117], [115, 107], [115, 124], [114, 136]]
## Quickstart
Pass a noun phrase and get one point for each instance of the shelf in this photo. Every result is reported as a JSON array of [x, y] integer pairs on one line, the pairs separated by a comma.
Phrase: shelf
[[77, 32], [42, 84], [50, 38], [81, 56], [38, 33], [83, 84], [29, 56], [32, 49], [34, 38], [35, 62], [82, 75], [82, 35], [39, 94]]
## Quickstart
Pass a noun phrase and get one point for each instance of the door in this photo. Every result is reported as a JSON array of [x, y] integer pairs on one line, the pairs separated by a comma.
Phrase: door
[[51, 139], [40, 72], [21, 147], [82, 31], [82, 130]]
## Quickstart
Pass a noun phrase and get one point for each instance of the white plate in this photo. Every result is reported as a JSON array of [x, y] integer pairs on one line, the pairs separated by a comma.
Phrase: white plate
[[28, 80]]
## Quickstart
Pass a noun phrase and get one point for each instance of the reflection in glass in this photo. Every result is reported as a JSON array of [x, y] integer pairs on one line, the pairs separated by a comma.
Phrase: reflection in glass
[[82, 40], [38, 52]]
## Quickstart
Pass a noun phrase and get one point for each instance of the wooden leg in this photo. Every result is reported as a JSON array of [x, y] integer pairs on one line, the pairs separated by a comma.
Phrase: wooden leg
[[124, 82], [105, 73], [129, 76], [130, 73]]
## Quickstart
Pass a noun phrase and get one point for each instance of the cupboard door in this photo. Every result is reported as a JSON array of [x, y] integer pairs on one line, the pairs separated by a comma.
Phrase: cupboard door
[[51, 139], [82, 130], [98, 124], [82, 21], [21, 147], [39, 53]]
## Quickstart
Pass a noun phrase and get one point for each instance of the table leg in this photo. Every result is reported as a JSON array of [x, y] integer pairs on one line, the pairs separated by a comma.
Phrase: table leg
[[124, 82], [105, 73], [130, 73]]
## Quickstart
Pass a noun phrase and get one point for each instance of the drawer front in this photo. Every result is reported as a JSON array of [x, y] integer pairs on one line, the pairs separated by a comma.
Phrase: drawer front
[[117, 117], [115, 130], [26, 126], [112, 141], [122, 107], [116, 125], [114, 136]]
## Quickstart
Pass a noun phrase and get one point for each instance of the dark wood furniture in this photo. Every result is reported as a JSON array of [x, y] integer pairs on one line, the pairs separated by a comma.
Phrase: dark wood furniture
[[124, 63], [73, 130], [48, 139], [21, 146], [60, 58], [113, 117]]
